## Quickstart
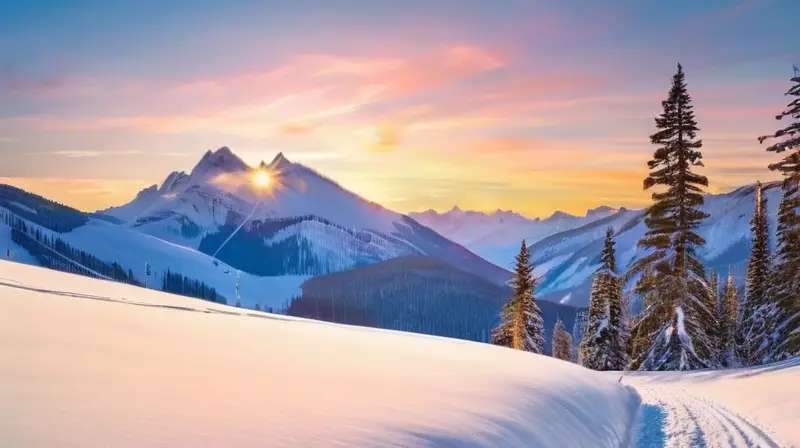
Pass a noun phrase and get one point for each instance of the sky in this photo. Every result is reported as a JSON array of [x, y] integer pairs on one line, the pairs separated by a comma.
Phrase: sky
[[527, 105]]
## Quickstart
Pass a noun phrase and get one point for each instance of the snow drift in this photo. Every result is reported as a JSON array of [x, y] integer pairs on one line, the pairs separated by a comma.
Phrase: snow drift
[[87, 362]]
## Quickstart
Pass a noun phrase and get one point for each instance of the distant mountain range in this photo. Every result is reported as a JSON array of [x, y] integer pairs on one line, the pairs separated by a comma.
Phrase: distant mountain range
[[566, 259], [306, 225], [496, 236], [307, 242]]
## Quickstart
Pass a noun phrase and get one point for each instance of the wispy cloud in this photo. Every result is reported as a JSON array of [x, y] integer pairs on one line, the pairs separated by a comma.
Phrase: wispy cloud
[[87, 153], [554, 113]]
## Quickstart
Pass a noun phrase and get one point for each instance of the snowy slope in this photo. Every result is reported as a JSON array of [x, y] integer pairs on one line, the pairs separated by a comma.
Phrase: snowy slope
[[92, 363], [738, 407], [726, 231], [305, 219], [132, 249], [496, 236], [17, 253]]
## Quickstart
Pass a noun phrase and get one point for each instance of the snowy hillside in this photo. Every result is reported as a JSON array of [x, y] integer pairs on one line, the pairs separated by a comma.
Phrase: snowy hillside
[[132, 249], [92, 363], [303, 224], [572, 257], [496, 236]]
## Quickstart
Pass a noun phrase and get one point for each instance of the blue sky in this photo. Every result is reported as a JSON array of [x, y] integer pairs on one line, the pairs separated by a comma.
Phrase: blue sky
[[543, 105]]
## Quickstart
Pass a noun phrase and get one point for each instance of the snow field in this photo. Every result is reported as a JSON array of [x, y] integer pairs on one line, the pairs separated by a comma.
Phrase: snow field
[[750, 407], [94, 363]]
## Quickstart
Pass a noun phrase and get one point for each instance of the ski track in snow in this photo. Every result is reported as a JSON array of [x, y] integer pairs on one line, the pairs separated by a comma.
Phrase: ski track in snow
[[7, 283], [674, 417]]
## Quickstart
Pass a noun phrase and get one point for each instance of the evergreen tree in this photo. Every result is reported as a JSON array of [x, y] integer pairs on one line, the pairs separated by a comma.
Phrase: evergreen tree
[[782, 311], [715, 305], [784, 320], [592, 353], [616, 333], [521, 325], [753, 314], [605, 344], [562, 342], [729, 323], [608, 258], [673, 283]]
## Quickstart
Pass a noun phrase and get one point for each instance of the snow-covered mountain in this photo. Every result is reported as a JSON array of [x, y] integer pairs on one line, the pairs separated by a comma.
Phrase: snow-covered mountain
[[496, 236], [567, 260], [304, 224]]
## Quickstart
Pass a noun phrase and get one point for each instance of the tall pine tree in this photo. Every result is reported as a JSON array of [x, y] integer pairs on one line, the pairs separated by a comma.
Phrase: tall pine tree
[[784, 321], [592, 353], [715, 304], [604, 343], [521, 325], [562, 342], [673, 282], [752, 332], [729, 323]]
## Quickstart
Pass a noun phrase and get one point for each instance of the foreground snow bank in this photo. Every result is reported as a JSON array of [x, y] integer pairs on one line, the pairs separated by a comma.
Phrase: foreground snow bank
[[88, 363], [767, 396]]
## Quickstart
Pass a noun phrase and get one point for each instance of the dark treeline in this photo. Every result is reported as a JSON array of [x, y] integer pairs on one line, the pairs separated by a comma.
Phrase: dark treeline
[[330, 311], [179, 284], [54, 253], [42, 211], [415, 294]]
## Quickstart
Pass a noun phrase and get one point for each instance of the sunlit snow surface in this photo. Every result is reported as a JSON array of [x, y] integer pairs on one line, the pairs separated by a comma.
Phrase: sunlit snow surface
[[92, 363], [133, 249], [752, 407]]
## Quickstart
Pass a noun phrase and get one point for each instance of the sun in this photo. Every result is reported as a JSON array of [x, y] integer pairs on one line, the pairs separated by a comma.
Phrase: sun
[[262, 179]]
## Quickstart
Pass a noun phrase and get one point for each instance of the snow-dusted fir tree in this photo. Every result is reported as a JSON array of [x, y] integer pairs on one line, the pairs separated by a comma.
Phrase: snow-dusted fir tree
[[784, 322], [782, 310], [755, 307], [592, 355], [729, 324], [715, 300], [614, 336], [521, 325], [562, 342], [672, 329], [604, 343]]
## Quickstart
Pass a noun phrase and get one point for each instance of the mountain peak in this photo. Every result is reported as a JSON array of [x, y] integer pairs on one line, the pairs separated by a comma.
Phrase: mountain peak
[[600, 212], [223, 160], [558, 215], [279, 161], [173, 181], [147, 191]]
